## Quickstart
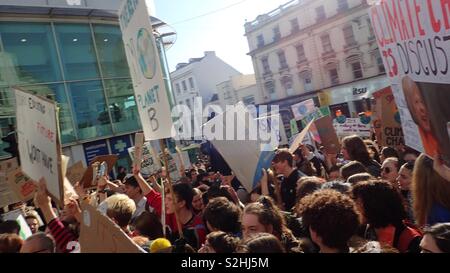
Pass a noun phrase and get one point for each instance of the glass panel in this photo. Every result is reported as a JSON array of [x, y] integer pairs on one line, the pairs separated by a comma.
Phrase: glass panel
[[122, 105], [30, 54], [91, 115], [77, 51], [56, 93], [7, 106], [4, 131], [111, 53]]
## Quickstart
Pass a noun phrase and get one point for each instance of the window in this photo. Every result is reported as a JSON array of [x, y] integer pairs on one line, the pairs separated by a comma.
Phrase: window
[[77, 51], [301, 57], [265, 64], [342, 5], [357, 70], [282, 59], [371, 33], [287, 84], [349, 36], [326, 43], [334, 77], [276, 33], [380, 64], [270, 89], [178, 89], [91, 112], [183, 83], [248, 100], [111, 53], [30, 54], [122, 105], [191, 83], [294, 25], [308, 83], [320, 13], [260, 41]]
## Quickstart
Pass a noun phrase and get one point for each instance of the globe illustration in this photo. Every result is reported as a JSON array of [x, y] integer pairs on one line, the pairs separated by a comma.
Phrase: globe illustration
[[146, 53]]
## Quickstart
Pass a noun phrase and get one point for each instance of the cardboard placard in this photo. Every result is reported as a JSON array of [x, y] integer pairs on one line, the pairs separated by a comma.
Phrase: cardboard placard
[[351, 126], [98, 234], [7, 195], [391, 129], [300, 110], [39, 143], [149, 164], [327, 134], [88, 176], [138, 146], [75, 172], [21, 185]]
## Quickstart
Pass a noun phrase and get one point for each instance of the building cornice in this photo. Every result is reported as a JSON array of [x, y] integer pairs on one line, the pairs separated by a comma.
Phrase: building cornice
[[308, 29]]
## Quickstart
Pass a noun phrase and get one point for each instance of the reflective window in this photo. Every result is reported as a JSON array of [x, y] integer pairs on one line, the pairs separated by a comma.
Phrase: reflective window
[[29, 54], [56, 93], [4, 131], [122, 105], [77, 51], [89, 106], [111, 53]]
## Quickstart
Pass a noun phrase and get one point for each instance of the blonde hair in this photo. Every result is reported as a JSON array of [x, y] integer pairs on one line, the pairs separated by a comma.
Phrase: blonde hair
[[121, 208], [428, 187]]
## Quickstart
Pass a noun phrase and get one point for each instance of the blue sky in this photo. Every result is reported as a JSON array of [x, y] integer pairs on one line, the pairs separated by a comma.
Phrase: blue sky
[[222, 32]]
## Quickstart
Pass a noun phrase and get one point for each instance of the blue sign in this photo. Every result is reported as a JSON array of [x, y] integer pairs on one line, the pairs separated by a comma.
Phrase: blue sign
[[120, 145], [93, 149]]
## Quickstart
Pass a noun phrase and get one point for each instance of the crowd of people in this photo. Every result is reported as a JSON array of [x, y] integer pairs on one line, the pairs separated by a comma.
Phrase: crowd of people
[[367, 199]]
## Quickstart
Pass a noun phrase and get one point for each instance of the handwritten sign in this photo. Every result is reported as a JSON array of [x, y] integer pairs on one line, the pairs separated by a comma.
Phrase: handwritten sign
[[352, 126], [149, 164], [21, 185], [413, 38], [39, 144], [391, 129], [98, 234], [151, 95]]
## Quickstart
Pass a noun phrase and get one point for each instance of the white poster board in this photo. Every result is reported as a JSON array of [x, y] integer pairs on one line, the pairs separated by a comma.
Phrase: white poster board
[[352, 126], [413, 39], [150, 91], [300, 110], [39, 146]]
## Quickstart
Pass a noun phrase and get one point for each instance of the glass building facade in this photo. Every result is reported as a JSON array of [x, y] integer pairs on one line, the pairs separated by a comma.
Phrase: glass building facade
[[82, 66]]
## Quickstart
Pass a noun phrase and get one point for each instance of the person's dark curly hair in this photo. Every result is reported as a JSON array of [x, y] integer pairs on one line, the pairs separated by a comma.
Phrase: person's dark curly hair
[[332, 215], [382, 203], [223, 215], [356, 149], [222, 242]]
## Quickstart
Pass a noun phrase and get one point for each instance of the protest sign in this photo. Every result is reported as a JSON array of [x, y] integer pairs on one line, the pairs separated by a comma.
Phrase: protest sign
[[327, 134], [246, 157], [7, 195], [39, 143], [21, 185], [294, 127], [300, 110], [138, 146], [391, 129], [75, 173], [299, 139], [149, 165], [152, 98], [351, 126], [98, 234], [413, 42], [318, 113], [89, 175], [17, 215]]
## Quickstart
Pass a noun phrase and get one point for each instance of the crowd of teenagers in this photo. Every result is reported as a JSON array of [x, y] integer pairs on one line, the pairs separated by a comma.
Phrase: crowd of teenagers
[[367, 199]]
